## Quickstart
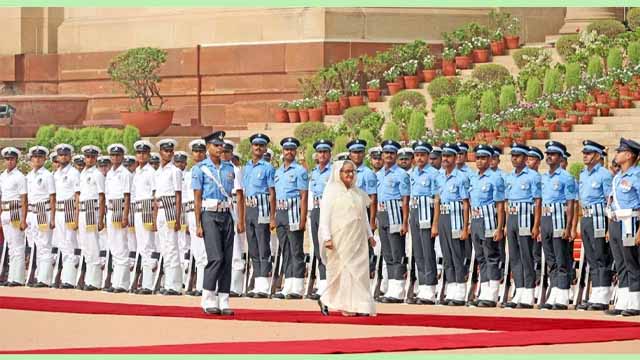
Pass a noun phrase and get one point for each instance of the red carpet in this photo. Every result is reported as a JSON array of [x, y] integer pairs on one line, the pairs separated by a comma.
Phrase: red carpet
[[511, 331]]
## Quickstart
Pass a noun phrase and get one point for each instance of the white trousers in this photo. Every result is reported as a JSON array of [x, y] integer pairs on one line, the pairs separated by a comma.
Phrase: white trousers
[[67, 241], [42, 240], [16, 242], [197, 249], [146, 246], [170, 252], [89, 242], [238, 262], [119, 248]]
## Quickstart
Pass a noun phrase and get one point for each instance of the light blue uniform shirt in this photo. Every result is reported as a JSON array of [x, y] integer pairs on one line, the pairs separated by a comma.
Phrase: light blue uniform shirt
[[523, 187], [558, 187], [257, 178], [319, 179], [595, 185], [290, 181], [454, 187], [627, 189], [210, 189], [367, 180], [486, 189], [424, 181], [393, 184]]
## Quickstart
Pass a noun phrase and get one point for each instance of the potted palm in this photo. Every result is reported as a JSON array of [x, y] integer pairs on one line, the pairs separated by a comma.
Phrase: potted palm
[[448, 62], [409, 68], [373, 90], [137, 71], [429, 71]]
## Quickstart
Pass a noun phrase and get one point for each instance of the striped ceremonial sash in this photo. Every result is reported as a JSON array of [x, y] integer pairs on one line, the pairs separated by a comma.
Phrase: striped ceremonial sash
[[168, 203], [424, 204], [598, 214], [116, 206], [13, 207], [293, 211], [557, 212], [394, 213], [90, 209], [261, 201], [146, 208], [523, 210], [456, 211], [68, 207], [132, 226], [489, 215], [41, 209]]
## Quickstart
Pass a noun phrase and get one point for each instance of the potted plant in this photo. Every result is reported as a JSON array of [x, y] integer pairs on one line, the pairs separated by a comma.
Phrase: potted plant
[[281, 112], [137, 71], [572, 116], [565, 126], [333, 104], [429, 71], [505, 139], [464, 60], [527, 132], [305, 105], [512, 33], [517, 137], [551, 125], [390, 76], [541, 133], [373, 90], [626, 102], [409, 68], [592, 106], [448, 62], [604, 109], [614, 100], [292, 111], [586, 118], [480, 49], [497, 43], [355, 99], [316, 109]]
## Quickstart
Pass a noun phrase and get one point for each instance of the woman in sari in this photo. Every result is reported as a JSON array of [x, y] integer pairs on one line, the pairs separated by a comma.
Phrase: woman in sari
[[344, 231]]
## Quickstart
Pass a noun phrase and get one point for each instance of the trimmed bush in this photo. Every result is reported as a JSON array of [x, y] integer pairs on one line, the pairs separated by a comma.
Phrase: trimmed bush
[[50, 135], [309, 131], [443, 118], [466, 110], [609, 27], [367, 136], [507, 97], [354, 115], [391, 131], [633, 18], [614, 58], [573, 75], [489, 103], [340, 144], [552, 81], [524, 55], [575, 169], [534, 89], [594, 68], [442, 86], [633, 52], [565, 45], [413, 98], [492, 73], [416, 127]]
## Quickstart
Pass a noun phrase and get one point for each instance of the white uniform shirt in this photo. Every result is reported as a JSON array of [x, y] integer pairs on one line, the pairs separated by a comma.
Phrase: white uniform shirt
[[40, 185], [187, 190], [168, 180], [117, 183], [12, 185], [144, 183], [91, 184], [67, 182], [237, 183]]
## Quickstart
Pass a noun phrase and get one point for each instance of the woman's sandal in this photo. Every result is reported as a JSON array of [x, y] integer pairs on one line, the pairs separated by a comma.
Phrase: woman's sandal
[[324, 310]]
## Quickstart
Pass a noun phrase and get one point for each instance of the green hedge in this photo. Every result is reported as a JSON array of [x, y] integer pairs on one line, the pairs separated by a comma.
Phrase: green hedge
[[565, 45], [573, 75], [50, 135], [609, 27], [443, 118], [442, 86], [466, 110], [633, 18], [489, 103], [507, 97], [594, 68], [534, 89], [614, 58], [552, 81], [414, 98], [633, 52], [416, 128], [309, 131], [354, 115], [524, 55], [391, 131], [492, 73]]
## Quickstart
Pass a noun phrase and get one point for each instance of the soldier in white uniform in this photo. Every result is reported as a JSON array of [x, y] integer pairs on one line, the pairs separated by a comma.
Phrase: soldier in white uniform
[[184, 240], [131, 164], [142, 192], [79, 162], [168, 198], [13, 214], [117, 193], [198, 153], [239, 239], [41, 190], [67, 180], [91, 217]]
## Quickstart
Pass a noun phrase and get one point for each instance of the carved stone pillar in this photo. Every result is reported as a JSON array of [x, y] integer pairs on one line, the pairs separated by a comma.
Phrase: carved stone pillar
[[577, 19]]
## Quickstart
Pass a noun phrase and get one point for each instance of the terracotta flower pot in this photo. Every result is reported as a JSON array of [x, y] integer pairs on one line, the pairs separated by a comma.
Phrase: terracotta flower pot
[[573, 119], [294, 116], [344, 103], [604, 111], [281, 116], [333, 108], [552, 126], [356, 100], [592, 110], [304, 115], [315, 114], [463, 62], [560, 113], [400, 80], [636, 95], [626, 103], [490, 136], [373, 95], [541, 134], [580, 106], [513, 42], [527, 134], [471, 156], [566, 127], [149, 123], [394, 88], [506, 141], [411, 82], [497, 48], [602, 98], [613, 103], [448, 68], [429, 75], [480, 55], [539, 121], [624, 90], [586, 119]]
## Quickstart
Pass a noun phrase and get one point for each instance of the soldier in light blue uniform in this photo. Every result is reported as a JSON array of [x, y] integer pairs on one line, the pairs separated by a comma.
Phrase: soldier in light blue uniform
[[260, 201], [624, 237], [405, 158], [534, 157], [462, 158], [213, 180], [367, 181], [319, 177], [495, 162], [292, 184], [435, 157], [423, 190], [594, 189], [393, 219], [487, 224], [451, 213], [558, 194], [523, 192]]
